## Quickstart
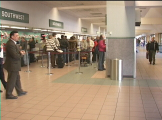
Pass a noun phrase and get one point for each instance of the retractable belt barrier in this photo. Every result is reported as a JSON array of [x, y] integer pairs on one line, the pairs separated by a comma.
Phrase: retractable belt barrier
[[49, 62], [53, 52]]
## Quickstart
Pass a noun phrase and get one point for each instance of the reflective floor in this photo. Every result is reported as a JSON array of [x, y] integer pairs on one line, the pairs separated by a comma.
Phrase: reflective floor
[[66, 95]]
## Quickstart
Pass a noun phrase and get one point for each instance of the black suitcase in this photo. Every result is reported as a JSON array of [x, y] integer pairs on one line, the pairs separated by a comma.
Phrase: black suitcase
[[32, 57], [60, 61], [22, 61]]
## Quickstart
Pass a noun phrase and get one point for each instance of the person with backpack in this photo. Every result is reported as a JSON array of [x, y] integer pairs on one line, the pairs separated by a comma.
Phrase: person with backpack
[[102, 50]]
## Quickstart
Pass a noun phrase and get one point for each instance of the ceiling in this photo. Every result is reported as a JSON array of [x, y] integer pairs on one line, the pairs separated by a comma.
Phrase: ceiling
[[94, 12]]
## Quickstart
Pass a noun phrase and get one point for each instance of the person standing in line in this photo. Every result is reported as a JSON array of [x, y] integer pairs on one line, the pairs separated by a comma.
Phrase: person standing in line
[[13, 66], [57, 43], [151, 48], [50, 48], [94, 49], [2, 78], [90, 45], [23, 46], [31, 49], [102, 50], [64, 47]]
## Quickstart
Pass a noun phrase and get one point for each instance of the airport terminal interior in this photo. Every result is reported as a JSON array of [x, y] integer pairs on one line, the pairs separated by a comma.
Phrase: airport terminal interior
[[78, 90]]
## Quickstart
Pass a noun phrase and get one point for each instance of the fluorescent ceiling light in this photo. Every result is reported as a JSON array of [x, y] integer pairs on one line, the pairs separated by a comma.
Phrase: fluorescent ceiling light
[[82, 7], [75, 33], [98, 23], [5, 26], [19, 27], [49, 30], [43, 30], [36, 29], [92, 18], [56, 31]]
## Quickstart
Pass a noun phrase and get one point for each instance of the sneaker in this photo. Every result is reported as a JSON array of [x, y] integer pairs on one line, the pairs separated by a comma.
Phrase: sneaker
[[60, 51]]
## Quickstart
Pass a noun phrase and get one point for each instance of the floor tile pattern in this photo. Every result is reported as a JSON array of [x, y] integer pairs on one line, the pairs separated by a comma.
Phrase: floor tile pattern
[[66, 95]]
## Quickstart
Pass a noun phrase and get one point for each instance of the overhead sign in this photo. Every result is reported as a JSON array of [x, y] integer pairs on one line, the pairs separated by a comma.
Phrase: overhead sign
[[56, 24], [83, 29], [11, 15]]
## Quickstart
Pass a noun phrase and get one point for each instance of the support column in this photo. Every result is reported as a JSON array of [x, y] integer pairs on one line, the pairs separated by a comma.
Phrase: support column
[[121, 42]]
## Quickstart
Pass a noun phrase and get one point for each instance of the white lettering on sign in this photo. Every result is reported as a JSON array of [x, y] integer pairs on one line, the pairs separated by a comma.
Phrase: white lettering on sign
[[12, 15], [84, 29], [56, 24]]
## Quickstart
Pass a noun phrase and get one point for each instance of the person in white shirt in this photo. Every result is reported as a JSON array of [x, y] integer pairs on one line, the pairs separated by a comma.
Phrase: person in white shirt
[[57, 43], [2, 78], [90, 45]]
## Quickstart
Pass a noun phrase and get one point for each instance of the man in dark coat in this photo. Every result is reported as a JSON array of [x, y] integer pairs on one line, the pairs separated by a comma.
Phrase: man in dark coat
[[152, 47], [13, 66]]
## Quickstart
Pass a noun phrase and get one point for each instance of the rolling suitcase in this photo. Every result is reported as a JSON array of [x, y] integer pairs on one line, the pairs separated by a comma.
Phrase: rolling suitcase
[[60, 61]]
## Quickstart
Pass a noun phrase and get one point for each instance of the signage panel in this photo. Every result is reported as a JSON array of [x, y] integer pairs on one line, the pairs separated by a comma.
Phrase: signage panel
[[11, 15], [83, 29], [56, 24]]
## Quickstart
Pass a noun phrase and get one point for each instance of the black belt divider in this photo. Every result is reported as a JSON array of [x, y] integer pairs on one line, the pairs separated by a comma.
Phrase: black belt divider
[[49, 65], [79, 66], [27, 57]]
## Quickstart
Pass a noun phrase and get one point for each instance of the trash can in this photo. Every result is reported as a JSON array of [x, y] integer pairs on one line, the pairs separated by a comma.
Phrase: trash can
[[116, 69]]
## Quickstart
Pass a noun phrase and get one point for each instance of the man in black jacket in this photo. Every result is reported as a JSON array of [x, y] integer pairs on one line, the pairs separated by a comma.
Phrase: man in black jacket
[[152, 47], [64, 46]]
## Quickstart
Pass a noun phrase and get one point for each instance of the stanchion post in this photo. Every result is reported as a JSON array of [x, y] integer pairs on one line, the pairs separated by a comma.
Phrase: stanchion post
[[49, 65], [79, 66], [68, 58], [96, 61], [91, 57], [42, 60], [74, 56], [27, 57]]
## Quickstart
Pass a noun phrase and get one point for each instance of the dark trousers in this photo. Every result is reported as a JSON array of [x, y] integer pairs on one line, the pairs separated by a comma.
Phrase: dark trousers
[[2, 76], [13, 81], [101, 60], [64, 55], [152, 56], [94, 56]]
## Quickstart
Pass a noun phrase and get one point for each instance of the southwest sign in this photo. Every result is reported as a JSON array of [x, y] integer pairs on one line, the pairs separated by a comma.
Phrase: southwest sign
[[11, 15], [83, 29], [56, 24]]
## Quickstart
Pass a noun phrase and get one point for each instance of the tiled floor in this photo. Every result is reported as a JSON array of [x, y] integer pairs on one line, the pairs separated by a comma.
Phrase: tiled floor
[[89, 96]]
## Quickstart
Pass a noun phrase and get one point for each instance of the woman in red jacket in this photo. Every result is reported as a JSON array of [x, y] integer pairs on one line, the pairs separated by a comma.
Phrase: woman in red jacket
[[94, 49], [102, 50]]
